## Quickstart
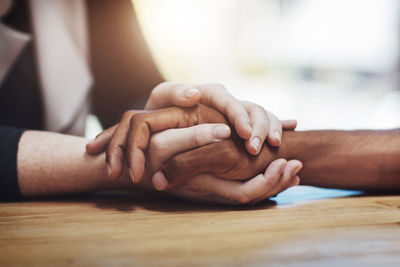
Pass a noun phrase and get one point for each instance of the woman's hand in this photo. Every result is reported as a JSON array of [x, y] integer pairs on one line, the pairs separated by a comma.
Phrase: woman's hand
[[251, 122], [208, 188]]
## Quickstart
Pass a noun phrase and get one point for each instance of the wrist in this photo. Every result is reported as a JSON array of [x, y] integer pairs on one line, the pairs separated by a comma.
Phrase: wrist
[[289, 149]]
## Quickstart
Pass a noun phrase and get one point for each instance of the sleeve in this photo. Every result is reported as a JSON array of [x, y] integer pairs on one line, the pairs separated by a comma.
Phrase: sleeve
[[9, 139]]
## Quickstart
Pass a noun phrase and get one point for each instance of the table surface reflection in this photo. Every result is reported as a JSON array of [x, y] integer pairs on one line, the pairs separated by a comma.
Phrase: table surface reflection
[[303, 226]]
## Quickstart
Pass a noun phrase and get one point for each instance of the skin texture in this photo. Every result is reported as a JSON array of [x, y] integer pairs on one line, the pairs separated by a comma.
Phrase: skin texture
[[131, 137], [363, 160], [226, 160], [128, 141], [52, 164], [121, 142], [251, 121]]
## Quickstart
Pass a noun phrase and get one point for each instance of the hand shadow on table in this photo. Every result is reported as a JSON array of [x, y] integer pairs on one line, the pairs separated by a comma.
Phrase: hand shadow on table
[[129, 201], [157, 201]]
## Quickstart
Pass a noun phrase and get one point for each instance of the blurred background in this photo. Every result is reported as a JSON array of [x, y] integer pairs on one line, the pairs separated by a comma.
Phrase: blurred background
[[329, 64]]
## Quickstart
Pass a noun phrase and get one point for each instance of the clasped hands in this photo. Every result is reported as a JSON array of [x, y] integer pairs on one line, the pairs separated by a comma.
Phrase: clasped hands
[[200, 143]]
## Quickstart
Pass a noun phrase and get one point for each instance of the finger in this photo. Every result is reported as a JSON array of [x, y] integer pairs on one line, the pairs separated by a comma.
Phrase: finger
[[160, 182], [295, 181], [164, 145], [291, 170], [169, 94], [274, 131], [142, 125], [289, 124], [99, 144], [217, 159], [173, 141], [216, 96], [261, 187], [260, 126], [236, 192], [116, 147]]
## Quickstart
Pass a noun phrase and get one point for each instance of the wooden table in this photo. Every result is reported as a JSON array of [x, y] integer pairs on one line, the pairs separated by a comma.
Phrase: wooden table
[[304, 227]]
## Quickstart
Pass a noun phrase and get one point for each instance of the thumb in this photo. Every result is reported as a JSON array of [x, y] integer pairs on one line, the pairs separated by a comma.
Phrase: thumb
[[216, 158], [173, 94]]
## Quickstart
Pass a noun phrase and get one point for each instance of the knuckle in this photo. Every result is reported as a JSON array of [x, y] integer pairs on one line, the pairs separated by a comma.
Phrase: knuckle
[[127, 114], [194, 138], [230, 151], [177, 162], [274, 119], [219, 86], [232, 165], [156, 93], [177, 86], [273, 178], [164, 84], [137, 118], [234, 158], [174, 166], [265, 182], [191, 116], [160, 87], [259, 109]]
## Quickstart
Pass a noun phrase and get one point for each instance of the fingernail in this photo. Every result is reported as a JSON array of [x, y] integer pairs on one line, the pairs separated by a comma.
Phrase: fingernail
[[277, 136], [131, 175], [255, 142], [108, 171], [221, 131], [190, 92], [159, 181]]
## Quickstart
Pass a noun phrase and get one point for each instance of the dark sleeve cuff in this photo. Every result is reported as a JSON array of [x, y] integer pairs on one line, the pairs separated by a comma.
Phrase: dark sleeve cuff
[[9, 139]]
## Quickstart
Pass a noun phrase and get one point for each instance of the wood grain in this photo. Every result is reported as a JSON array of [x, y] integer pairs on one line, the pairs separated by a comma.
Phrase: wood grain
[[305, 226]]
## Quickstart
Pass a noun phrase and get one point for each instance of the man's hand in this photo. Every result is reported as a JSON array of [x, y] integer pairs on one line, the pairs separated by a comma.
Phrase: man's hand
[[208, 188], [227, 160]]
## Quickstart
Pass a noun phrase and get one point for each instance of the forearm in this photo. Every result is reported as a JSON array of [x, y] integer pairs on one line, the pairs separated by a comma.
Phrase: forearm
[[367, 160], [54, 164], [122, 66]]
